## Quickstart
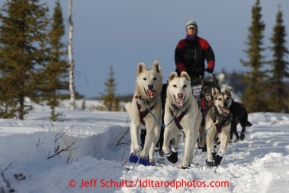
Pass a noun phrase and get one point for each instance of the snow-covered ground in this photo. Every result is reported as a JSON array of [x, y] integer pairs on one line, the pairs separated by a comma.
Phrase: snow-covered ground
[[98, 162]]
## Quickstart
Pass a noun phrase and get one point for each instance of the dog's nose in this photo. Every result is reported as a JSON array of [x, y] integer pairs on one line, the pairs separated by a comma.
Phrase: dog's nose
[[150, 86], [180, 95], [226, 104]]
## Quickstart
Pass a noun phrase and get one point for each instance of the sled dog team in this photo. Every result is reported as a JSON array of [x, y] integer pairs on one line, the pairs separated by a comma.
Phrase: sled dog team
[[182, 118]]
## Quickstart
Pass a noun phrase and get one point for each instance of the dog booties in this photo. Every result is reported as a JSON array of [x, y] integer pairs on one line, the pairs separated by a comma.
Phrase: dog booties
[[161, 160], [146, 162], [172, 156], [133, 158], [216, 160], [209, 164], [186, 167]]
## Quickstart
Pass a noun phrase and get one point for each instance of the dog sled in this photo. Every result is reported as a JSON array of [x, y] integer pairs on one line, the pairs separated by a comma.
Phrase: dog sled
[[199, 84]]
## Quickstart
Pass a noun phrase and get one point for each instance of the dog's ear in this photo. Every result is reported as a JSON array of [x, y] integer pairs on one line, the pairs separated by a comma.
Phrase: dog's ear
[[215, 91], [228, 91], [172, 76], [157, 67], [141, 67], [184, 74]]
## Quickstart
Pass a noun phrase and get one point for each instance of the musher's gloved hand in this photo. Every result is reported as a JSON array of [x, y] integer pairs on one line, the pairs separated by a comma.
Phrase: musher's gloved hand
[[209, 70]]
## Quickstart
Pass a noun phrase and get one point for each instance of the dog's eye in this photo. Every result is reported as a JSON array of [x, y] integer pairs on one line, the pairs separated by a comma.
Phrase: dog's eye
[[175, 86], [185, 86], [144, 78], [155, 78], [219, 99]]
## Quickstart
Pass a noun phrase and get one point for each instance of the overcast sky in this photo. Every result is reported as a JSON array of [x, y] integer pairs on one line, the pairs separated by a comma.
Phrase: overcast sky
[[123, 33]]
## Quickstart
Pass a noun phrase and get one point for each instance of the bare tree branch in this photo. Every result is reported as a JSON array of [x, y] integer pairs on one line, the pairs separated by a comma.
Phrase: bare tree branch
[[68, 146], [122, 137], [60, 132], [38, 143], [7, 182]]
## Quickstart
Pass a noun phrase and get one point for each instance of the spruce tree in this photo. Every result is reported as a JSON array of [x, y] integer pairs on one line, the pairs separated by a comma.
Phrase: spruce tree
[[279, 95], [254, 95], [23, 51], [57, 69], [109, 99]]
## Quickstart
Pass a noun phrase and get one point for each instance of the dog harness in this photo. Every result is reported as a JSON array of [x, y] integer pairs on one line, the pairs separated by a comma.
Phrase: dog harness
[[202, 104], [178, 118], [143, 114], [220, 120]]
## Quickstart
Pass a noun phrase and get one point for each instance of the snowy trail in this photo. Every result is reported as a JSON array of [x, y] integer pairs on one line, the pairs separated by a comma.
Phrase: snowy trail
[[260, 163]]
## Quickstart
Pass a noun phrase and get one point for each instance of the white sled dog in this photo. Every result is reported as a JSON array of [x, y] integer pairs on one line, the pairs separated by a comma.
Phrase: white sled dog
[[145, 112], [182, 117], [218, 122]]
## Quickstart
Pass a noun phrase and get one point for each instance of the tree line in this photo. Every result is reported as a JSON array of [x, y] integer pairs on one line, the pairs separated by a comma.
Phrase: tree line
[[267, 90], [263, 86], [33, 62]]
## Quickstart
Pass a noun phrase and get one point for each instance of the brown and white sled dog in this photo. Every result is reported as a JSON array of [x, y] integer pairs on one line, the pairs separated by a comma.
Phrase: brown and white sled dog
[[206, 101], [218, 121], [182, 116], [145, 112]]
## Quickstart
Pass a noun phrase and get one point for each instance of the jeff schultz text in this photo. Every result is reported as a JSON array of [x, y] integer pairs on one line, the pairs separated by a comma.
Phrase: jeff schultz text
[[148, 183]]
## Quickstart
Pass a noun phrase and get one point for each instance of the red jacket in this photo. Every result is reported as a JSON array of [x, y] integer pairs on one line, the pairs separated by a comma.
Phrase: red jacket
[[190, 56]]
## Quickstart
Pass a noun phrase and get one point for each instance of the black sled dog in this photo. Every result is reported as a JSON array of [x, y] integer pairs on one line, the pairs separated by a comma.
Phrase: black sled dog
[[240, 115]]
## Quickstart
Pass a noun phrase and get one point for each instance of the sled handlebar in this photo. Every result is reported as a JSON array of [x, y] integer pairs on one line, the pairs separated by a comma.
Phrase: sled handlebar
[[215, 80]]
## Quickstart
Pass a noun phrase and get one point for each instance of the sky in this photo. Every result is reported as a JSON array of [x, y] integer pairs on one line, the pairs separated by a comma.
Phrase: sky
[[259, 163], [123, 33]]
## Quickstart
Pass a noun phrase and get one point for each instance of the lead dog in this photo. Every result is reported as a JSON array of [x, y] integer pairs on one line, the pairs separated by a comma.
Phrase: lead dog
[[145, 112], [182, 117], [218, 120]]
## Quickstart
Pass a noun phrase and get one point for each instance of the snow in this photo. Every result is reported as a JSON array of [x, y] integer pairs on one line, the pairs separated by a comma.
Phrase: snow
[[260, 163]]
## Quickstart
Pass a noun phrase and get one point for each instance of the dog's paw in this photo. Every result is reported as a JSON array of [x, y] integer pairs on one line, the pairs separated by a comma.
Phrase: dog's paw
[[242, 137], [133, 158], [143, 161], [218, 160], [152, 164], [210, 164], [161, 153], [186, 167], [161, 160], [172, 156]]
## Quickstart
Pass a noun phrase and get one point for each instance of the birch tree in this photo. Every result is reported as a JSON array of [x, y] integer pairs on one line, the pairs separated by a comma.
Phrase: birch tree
[[71, 70]]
